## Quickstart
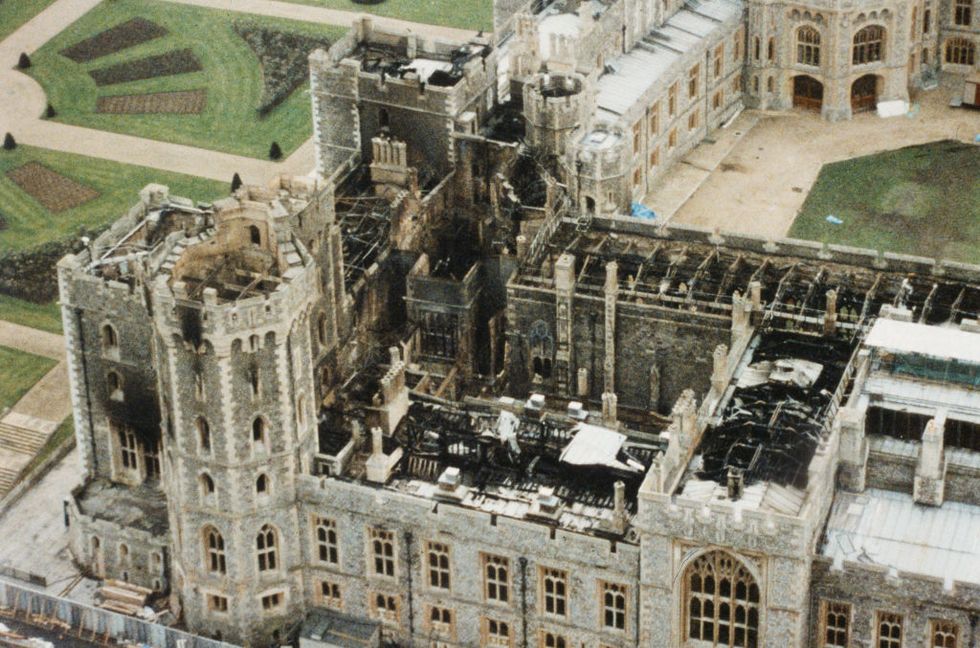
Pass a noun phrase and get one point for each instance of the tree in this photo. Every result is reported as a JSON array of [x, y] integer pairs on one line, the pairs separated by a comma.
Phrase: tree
[[236, 182], [50, 112], [24, 61], [275, 153], [9, 143]]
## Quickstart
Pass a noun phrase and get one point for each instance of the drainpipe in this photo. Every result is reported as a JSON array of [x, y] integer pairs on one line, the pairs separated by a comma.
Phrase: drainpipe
[[522, 561], [411, 608]]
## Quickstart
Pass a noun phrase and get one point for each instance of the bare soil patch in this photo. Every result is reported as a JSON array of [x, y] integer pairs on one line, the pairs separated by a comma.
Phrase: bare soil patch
[[53, 190], [169, 64], [122, 36], [185, 102]]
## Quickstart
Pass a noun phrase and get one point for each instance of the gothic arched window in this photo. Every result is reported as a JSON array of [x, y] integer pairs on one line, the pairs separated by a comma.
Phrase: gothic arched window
[[266, 545], [808, 46], [214, 548], [960, 51], [542, 349], [721, 602], [869, 45]]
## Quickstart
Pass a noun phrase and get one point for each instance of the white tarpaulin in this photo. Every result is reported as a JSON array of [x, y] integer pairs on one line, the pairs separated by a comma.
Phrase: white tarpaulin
[[597, 446]]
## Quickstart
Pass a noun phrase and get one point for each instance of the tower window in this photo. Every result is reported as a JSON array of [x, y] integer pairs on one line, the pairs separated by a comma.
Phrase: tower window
[[496, 578], [255, 235], [613, 606], [214, 547], [383, 552], [722, 600], [262, 485], [203, 434], [326, 541], [330, 595], [438, 562], [258, 431], [266, 545], [554, 591], [127, 450], [963, 12], [110, 341], [114, 385]]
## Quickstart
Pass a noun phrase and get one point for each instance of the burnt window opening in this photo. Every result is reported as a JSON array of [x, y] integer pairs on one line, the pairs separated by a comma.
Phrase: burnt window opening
[[266, 545], [207, 486], [439, 335], [214, 547], [542, 349], [262, 485], [151, 457], [590, 204], [254, 235], [115, 386], [258, 430], [384, 119], [321, 330], [907, 426], [253, 381], [962, 434], [110, 340], [128, 450]]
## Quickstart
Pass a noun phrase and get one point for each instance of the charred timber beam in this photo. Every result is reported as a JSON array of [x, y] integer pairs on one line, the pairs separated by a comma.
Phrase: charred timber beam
[[955, 308], [699, 274], [927, 304], [818, 280]]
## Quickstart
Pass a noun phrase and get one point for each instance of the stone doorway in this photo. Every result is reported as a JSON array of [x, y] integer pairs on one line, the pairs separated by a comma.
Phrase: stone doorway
[[864, 94], [807, 93]]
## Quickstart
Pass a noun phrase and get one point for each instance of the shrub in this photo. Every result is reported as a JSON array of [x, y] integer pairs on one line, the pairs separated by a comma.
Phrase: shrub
[[236, 181], [9, 143], [24, 61], [283, 58], [275, 152]]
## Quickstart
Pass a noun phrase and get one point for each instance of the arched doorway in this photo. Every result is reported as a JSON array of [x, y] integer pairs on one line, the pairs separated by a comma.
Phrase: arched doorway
[[807, 93], [864, 94], [721, 602]]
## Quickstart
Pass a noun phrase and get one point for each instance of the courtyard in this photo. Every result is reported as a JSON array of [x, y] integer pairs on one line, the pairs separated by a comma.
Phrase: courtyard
[[755, 176]]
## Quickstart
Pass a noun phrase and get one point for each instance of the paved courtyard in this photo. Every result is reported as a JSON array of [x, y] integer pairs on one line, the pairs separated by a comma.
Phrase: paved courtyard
[[755, 177]]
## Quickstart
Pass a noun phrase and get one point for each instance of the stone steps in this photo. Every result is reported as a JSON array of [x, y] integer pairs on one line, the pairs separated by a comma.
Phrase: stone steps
[[7, 479], [21, 439]]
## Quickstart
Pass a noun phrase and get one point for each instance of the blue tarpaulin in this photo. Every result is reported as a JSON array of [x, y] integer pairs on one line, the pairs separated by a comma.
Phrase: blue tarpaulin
[[642, 211]]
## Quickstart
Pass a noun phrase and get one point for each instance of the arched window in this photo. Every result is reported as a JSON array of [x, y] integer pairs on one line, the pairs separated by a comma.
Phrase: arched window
[[869, 45], [963, 12], [265, 548], [301, 411], [960, 51], [770, 84], [722, 602], [110, 341], [757, 48], [114, 385], [123, 554], [214, 550], [207, 485], [542, 349], [262, 485], [258, 430], [321, 329], [771, 49], [203, 434], [255, 235], [807, 46]]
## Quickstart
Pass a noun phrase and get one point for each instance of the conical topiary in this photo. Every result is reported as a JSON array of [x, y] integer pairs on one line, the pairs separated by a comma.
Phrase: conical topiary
[[24, 61], [236, 182], [275, 152], [50, 112], [9, 143]]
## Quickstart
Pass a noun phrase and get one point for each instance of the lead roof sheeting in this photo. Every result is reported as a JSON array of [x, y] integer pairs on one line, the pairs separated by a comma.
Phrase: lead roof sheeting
[[638, 69], [962, 402], [890, 529], [923, 339]]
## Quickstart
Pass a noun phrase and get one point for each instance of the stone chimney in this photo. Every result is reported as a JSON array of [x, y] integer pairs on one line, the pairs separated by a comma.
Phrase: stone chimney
[[719, 373], [609, 403], [930, 472], [830, 313]]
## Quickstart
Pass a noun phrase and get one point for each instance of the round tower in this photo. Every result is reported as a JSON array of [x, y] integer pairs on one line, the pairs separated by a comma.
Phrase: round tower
[[554, 106], [236, 381]]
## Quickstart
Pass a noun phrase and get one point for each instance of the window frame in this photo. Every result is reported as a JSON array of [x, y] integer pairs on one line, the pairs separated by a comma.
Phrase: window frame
[[329, 544], [496, 562], [620, 590], [441, 571], [838, 609], [267, 549], [895, 621], [384, 563], [554, 595]]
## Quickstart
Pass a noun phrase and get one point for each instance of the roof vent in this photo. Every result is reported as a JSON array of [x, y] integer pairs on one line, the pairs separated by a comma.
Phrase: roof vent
[[546, 504], [450, 485], [577, 411]]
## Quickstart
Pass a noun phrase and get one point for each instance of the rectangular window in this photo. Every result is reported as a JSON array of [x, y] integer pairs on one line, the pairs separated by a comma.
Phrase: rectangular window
[[672, 101], [496, 633], [552, 640], [963, 12], [943, 634], [637, 137], [737, 46], [693, 77], [654, 157], [383, 552], [326, 541], [496, 578], [437, 557], [719, 59], [837, 619], [151, 456], [330, 595], [926, 21], [127, 449], [718, 99], [692, 120], [889, 630], [637, 176], [613, 606], [672, 139], [217, 603], [554, 591], [655, 120], [385, 608], [272, 601], [441, 622]]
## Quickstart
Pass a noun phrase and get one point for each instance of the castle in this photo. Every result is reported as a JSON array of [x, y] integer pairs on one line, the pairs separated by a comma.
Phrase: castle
[[446, 391]]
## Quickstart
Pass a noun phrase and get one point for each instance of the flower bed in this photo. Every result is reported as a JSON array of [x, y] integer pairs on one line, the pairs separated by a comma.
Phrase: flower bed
[[171, 63], [283, 57], [184, 102], [53, 190], [128, 34]]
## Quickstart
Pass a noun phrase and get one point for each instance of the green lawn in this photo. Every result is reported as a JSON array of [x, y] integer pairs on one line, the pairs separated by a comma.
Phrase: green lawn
[[46, 317], [28, 223], [19, 373], [465, 14], [922, 200], [14, 13], [231, 74]]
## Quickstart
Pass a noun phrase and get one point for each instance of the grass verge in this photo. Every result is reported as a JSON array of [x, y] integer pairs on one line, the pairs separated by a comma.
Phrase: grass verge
[[15, 13], [922, 200], [232, 75], [28, 223], [46, 317], [464, 14], [20, 372]]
